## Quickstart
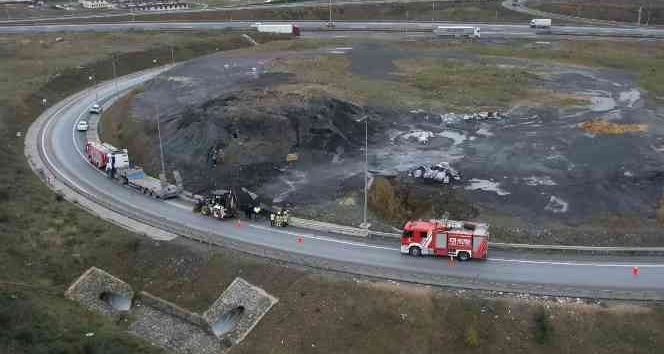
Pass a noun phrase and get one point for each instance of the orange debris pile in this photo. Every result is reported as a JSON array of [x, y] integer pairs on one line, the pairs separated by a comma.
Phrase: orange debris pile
[[604, 127]]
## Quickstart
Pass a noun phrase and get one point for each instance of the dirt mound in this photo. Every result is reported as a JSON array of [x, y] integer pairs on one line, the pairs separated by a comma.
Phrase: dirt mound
[[604, 127], [243, 137]]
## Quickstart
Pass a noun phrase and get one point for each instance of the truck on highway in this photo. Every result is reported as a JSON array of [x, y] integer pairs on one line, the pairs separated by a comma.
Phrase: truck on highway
[[278, 28], [540, 23], [457, 31], [461, 239], [115, 162]]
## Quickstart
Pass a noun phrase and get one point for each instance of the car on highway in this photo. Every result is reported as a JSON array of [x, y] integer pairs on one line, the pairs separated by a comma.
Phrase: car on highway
[[82, 126], [96, 108]]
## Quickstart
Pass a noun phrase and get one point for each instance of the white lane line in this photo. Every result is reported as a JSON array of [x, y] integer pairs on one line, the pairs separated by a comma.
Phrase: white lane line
[[614, 265], [178, 205], [322, 238], [359, 244]]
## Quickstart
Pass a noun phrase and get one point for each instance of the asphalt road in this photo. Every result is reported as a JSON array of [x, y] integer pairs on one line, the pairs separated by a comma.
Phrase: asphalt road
[[62, 147], [491, 30]]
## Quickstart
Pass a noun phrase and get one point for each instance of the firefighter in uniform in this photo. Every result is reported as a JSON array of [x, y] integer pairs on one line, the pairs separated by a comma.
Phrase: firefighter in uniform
[[272, 218]]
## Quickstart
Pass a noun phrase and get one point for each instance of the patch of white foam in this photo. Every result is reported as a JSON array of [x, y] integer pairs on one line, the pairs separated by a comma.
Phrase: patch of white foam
[[421, 136], [188, 81], [630, 97], [556, 205], [628, 174], [458, 138], [602, 104], [486, 185], [484, 132], [539, 181]]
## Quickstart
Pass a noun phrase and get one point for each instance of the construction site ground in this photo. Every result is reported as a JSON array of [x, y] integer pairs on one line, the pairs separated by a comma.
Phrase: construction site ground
[[576, 158]]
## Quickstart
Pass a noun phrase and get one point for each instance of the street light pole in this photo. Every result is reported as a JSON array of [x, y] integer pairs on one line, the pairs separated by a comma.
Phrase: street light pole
[[365, 224], [330, 24], [161, 147], [115, 75], [366, 170], [93, 78]]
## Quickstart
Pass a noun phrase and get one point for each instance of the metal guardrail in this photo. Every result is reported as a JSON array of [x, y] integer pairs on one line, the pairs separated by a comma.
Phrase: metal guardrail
[[328, 227]]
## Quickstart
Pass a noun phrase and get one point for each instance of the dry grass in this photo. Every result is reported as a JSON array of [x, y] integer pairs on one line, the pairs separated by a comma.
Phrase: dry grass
[[604, 127]]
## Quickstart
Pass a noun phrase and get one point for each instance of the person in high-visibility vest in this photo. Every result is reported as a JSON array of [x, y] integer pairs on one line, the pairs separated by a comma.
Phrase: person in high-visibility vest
[[272, 218]]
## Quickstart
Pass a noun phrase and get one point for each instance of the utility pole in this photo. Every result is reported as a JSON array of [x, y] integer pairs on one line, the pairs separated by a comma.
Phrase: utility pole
[[365, 224], [433, 8], [173, 55], [366, 170], [93, 78], [115, 76], [638, 20], [161, 147], [330, 23]]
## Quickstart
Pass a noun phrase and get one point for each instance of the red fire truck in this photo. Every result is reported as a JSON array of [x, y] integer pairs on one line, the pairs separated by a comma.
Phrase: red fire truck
[[461, 239], [97, 154]]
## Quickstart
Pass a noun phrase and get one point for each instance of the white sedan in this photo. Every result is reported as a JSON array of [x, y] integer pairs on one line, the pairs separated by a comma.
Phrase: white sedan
[[96, 109], [82, 126]]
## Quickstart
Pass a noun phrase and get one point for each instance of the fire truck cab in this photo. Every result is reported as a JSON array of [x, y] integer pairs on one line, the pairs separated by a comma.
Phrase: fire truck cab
[[461, 239]]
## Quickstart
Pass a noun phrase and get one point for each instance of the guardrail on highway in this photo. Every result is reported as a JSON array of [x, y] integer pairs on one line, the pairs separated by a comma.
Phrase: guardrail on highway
[[328, 227]]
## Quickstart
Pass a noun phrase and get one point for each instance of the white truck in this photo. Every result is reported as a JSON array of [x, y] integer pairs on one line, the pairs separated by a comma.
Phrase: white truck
[[278, 28], [540, 23], [457, 31]]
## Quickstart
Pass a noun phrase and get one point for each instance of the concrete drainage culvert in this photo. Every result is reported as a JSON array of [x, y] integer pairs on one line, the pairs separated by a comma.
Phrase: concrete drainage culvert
[[232, 316], [116, 301], [227, 321]]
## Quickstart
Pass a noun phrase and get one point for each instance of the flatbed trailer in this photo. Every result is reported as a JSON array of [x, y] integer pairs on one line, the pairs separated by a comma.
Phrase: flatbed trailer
[[137, 178]]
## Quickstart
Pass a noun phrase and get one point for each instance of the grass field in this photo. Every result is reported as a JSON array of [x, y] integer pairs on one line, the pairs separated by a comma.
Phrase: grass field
[[47, 243], [469, 10], [652, 12]]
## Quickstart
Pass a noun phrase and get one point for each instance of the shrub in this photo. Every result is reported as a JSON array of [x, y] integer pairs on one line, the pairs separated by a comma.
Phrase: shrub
[[471, 338], [543, 328]]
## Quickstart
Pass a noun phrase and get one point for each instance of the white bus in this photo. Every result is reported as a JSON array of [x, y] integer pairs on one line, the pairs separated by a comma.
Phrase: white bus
[[457, 31]]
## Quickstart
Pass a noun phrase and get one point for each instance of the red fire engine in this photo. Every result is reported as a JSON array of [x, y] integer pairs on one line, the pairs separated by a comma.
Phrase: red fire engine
[[461, 239], [97, 154]]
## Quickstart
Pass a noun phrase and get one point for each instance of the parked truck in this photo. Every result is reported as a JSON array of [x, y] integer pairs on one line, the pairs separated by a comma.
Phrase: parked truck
[[278, 28], [540, 23], [461, 239], [115, 162], [457, 31]]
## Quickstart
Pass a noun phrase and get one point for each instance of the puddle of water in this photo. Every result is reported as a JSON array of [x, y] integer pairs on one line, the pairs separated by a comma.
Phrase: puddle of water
[[486, 185]]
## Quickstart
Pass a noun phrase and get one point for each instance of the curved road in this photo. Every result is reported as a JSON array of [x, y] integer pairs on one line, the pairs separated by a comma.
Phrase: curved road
[[60, 149]]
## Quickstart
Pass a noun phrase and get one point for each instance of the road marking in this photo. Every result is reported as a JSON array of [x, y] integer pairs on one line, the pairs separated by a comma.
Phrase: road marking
[[322, 238], [178, 205], [579, 264]]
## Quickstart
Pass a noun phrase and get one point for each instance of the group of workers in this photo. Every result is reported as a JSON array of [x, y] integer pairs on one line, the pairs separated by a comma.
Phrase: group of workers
[[280, 218]]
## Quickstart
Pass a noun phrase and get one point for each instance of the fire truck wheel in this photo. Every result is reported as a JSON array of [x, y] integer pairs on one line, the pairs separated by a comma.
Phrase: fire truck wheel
[[415, 251], [463, 256]]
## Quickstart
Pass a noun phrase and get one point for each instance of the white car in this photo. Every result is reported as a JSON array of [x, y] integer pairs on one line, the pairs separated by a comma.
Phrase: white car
[[82, 126], [96, 109]]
